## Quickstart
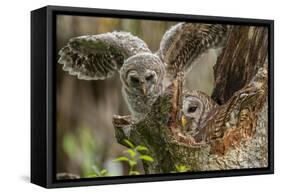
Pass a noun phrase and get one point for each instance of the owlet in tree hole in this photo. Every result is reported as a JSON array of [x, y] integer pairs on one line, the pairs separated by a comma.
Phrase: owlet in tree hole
[[223, 125]]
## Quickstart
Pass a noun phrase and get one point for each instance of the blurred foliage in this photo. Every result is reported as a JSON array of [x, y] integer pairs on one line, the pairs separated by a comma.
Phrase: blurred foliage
[[91, 165], [98, 173], [83, 148]]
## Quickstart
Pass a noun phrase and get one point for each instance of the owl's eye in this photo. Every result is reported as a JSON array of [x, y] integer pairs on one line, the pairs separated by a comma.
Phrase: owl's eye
[[134, 80], [192, 109], [149, 78]]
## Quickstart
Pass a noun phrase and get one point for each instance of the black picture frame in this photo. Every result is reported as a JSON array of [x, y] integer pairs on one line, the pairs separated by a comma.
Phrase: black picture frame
[[43, 84]]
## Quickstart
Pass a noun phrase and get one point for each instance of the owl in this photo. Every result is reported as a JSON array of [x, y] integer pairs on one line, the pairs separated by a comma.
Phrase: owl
[[142, 73], [225, 125], [196, 108]]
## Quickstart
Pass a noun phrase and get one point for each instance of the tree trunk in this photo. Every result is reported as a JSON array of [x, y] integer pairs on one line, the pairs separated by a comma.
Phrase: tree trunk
[[236, 71], [245, 52]]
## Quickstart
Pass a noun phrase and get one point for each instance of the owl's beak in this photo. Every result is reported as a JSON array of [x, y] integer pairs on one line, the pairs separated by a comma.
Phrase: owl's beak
[[183, 121], [144, 90]]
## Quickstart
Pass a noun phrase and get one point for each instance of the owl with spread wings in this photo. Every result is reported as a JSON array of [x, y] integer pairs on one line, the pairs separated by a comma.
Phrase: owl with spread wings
[[142, 73]]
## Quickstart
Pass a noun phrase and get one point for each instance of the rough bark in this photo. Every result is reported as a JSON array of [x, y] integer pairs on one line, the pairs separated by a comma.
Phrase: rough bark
[[245, 52]]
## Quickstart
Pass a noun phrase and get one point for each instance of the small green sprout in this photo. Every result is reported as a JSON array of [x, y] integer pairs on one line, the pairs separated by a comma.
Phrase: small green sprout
[[98, 173], [133, 155], [181, 168]]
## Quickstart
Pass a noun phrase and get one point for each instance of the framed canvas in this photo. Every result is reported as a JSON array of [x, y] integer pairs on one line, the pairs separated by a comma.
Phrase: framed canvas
[[125, 96]]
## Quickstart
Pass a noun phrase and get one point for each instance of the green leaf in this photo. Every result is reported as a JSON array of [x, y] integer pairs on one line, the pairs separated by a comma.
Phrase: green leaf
[[103, 172], [132, 163], [146, 158], [131, 152], [182, 168], [129, 143], [134, 172], [141, 148], [122, 158]]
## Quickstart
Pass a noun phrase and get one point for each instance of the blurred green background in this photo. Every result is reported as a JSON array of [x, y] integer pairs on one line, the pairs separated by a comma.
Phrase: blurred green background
[[85, 135]]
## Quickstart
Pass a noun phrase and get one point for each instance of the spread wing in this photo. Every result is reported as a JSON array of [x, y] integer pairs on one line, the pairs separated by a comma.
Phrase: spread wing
[[184, 42], [93, 57]]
